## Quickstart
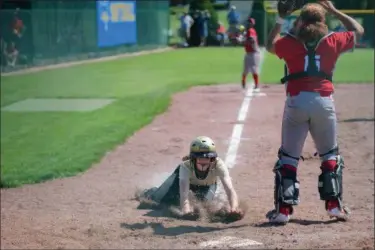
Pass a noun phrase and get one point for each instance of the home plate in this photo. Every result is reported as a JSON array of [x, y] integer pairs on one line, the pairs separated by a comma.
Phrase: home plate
[[229, 242]]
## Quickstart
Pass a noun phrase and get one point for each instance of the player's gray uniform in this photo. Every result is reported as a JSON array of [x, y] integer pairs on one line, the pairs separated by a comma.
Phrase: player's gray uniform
[[309, 106], [309, 111], [306, 112]]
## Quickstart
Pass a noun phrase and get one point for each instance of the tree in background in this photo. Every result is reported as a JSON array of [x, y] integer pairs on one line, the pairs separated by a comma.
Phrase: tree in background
[[202, 5]]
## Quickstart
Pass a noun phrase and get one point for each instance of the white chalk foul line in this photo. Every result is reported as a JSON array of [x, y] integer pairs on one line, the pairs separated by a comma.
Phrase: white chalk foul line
[[230, 161], [234, 143]]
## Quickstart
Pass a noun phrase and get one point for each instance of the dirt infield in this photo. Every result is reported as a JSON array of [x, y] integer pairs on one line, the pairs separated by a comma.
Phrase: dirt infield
[[95, 209]]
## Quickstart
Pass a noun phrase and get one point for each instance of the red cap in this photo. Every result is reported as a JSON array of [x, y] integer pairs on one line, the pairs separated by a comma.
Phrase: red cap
[[252, 21]]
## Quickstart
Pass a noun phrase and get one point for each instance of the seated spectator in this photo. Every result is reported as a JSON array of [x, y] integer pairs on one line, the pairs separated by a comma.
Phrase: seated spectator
[[11, 54], [221, 33]]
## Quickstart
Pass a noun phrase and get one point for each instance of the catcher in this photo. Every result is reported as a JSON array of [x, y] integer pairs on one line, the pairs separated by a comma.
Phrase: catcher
[[310, 53], [199, 173]]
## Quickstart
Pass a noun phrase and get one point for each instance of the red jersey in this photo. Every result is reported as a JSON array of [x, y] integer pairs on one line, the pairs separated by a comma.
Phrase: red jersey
[[221, 29], [251, 42], [327, 51], [17, 24]]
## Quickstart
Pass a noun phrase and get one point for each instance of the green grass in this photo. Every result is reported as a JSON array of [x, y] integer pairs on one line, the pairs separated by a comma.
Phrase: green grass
[[356, 67], [40, 146], [45, 145]]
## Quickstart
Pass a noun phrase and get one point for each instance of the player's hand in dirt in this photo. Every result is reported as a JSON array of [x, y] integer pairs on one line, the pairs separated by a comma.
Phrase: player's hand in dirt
[[186, 213], [228, 216], [190, 216], [235, 215]]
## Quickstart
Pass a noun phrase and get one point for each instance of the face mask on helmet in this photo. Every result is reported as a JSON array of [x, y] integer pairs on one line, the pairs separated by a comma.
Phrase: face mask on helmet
[[202, 164], [202, 155]]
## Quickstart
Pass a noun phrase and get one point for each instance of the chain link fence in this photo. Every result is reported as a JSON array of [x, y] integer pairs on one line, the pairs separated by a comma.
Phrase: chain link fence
[[54, 32]]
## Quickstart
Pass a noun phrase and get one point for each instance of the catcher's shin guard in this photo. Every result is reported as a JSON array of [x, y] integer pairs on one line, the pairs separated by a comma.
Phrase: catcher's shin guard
[[330, 182], [286, 191]]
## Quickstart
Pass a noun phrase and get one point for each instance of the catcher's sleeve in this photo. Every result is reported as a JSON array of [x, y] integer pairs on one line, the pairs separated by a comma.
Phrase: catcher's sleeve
[[279, 48], [345, 41]]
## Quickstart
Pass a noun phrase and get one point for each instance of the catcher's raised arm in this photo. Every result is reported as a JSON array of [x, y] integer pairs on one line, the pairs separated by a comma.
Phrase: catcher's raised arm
[[284, 9]]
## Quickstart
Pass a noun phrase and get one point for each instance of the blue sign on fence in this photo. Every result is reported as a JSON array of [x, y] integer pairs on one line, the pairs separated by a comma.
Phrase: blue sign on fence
[[116, 23]]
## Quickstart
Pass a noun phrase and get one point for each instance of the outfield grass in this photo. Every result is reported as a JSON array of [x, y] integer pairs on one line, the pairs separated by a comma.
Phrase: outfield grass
[[357, 67], [45, 145]]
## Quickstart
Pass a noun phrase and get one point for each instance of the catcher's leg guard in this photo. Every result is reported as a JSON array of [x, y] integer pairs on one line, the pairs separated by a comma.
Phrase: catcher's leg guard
[[330, 181], [286, 187], [286, 192]]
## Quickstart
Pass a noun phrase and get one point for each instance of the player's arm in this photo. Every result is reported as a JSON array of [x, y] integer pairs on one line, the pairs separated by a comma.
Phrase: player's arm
[[231, 193], [345, 40], [350, 23], [228, 187], [274, 35], [250, 37], [250, 40], [184, 182]]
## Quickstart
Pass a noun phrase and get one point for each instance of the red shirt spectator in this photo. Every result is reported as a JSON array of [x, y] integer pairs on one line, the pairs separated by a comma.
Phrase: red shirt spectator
[[221, 29]]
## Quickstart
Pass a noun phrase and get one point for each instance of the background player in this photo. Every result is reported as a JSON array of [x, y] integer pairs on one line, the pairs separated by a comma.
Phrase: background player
[[310, 53], [252, 57]]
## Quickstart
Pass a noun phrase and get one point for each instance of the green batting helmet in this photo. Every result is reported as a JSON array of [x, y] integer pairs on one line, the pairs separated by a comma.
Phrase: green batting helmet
[[202, 147]]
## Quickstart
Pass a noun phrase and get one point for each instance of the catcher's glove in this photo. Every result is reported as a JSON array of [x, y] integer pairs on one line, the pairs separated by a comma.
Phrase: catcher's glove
[[286, 7]]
